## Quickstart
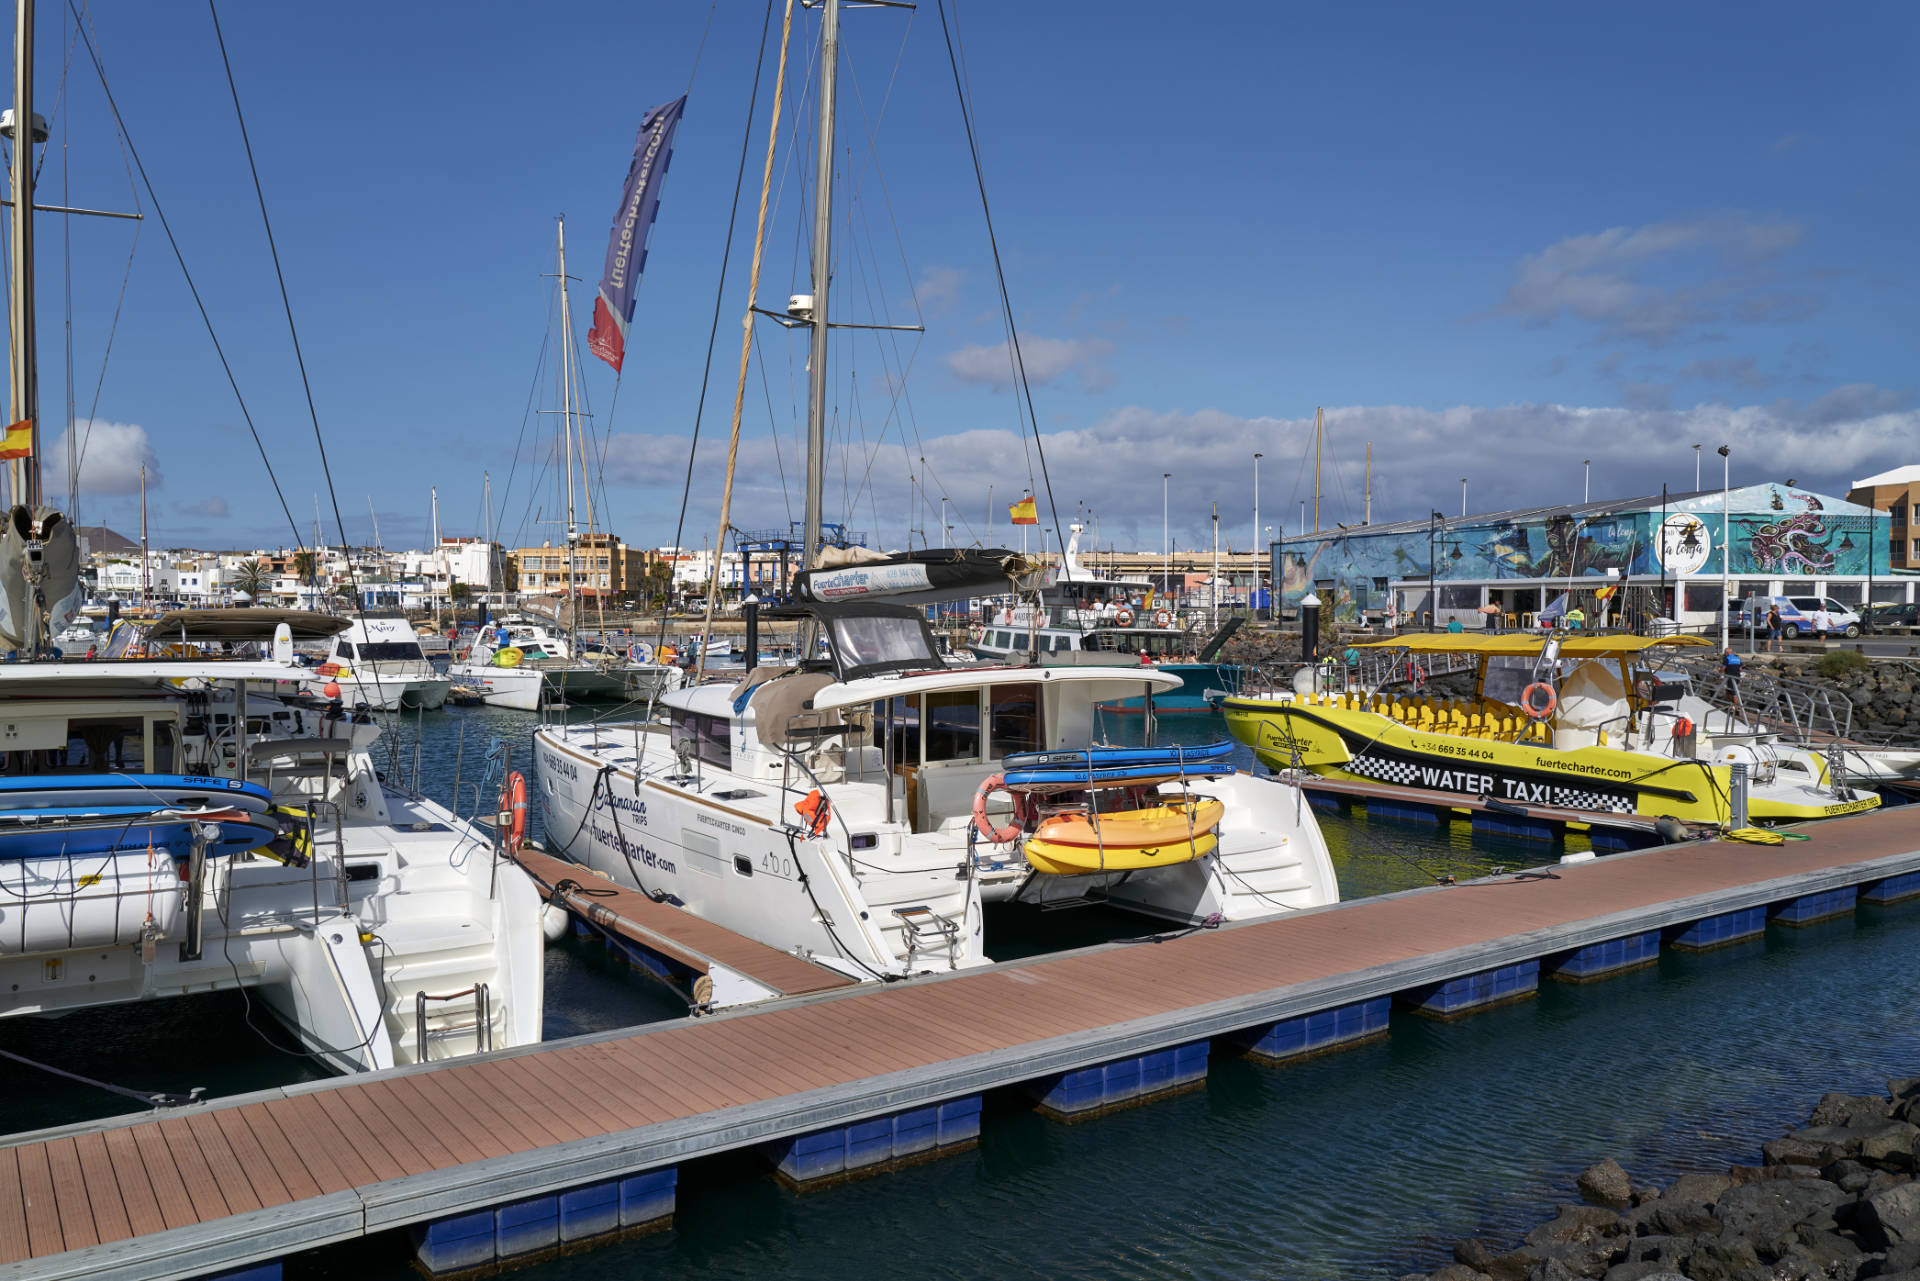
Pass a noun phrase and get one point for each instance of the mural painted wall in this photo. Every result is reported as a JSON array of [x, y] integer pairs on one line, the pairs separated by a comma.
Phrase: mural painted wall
[[1777, 532]]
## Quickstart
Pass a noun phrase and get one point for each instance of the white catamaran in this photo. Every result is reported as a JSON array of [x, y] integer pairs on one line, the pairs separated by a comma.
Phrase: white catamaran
[[849, 808]]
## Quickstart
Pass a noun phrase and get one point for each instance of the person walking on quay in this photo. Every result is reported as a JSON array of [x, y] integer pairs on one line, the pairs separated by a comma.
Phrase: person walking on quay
[[1822, 623], [1773, 629], [1492, 619], [1576, 618]]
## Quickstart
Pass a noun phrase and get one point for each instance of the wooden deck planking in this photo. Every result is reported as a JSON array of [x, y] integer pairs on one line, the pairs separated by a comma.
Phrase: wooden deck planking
[[43, 1216], [236, 1189], [391, 1154], [464, 1138], [353, 1133], [296, 1174], [521, 1132], [179, 1203], [14, 1242], [136, 1189], [332, 1160], [70, 1196], [110, 1221], [261, 1171]]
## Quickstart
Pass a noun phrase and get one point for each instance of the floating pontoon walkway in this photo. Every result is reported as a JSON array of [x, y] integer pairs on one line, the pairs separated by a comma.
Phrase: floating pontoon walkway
[[677, 944], [525, 1150]]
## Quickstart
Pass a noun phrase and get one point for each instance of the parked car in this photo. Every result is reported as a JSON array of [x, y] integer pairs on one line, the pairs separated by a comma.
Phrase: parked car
[[1796, 616], [1906, 614]]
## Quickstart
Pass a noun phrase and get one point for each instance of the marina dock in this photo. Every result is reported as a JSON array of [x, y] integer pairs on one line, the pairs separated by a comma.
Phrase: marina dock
[[709, 964], [515, 1153]]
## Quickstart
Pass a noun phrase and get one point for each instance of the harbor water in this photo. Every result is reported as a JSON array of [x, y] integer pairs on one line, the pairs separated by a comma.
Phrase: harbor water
[[1367, 1163]]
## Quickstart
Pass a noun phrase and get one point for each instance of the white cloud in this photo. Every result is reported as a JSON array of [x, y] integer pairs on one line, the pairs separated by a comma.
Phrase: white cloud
[[216, 506], [111, 455], [938, 290], [1604, 278], [1045, 359], [1512, 455]]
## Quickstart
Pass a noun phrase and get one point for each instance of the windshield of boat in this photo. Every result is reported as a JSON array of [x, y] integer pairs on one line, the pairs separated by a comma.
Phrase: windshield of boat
[[381, 651], [881, 640], [1507, 675]]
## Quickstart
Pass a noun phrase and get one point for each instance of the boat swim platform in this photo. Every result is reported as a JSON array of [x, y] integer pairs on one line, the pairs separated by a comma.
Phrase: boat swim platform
[[510, 1154], [707, 963]]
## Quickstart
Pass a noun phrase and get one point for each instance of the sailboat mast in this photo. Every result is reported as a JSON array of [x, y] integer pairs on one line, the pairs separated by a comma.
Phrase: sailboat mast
[[1367, 519], [1319, 424], [566, 422], [822, 271], [24, 392], [146, 564], [495, 567], [438, 563]]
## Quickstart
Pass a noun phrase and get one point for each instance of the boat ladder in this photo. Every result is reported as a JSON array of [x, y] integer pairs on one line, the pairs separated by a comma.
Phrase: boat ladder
[[481, 1027], [924, 927]]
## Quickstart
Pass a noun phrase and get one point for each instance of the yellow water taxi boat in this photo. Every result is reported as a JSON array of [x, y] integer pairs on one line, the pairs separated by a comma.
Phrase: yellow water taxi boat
[[1581, 725], [1080, 841]]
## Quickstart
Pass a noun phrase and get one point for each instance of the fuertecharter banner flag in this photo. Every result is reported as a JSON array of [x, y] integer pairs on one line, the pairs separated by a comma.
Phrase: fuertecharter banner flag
[[632, 224], [1024, 512]]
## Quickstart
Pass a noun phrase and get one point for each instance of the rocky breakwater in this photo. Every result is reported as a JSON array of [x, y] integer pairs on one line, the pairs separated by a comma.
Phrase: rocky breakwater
[[1836, 1200]]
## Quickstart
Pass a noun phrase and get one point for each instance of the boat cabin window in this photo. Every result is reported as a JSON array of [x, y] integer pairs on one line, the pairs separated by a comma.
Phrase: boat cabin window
[[1013, 720], [383, 651], [952, 720], [864, 640], [705, 736]]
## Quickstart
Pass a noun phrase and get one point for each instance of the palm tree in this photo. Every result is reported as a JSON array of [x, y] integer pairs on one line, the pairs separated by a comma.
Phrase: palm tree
[[250, 579]]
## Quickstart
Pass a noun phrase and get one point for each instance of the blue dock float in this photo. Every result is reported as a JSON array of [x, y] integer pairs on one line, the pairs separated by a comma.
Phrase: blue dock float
[[519, 1152], [1809, 908], [1604, 960], [1321, 1032], [1094, 1091]]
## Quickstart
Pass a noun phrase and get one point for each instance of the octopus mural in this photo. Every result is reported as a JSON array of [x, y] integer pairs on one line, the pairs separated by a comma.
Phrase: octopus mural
[[1794, 545]]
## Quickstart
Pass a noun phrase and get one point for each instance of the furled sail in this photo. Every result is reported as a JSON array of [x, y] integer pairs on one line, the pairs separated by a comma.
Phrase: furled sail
[[921, 578], [40, 587]]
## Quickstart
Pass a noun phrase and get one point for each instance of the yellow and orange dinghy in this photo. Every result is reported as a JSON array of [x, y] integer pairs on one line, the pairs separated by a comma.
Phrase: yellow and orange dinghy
[[1082, 841]]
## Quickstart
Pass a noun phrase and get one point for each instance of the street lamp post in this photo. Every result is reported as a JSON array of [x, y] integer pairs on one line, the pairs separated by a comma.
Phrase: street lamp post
[[1166, 543], [1696, 469], [1726, 536], [1586, 480], [1463, 495], [1433, 528], [1256, 506]]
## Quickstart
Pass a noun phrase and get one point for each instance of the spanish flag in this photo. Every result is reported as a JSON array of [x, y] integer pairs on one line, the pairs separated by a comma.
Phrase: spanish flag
[[1024, 512], [1604, 592], [18, 442]]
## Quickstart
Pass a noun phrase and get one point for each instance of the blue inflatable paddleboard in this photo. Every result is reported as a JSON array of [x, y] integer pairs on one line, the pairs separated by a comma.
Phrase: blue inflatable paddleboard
[[153, 791], [1115, 766], [50, 833]]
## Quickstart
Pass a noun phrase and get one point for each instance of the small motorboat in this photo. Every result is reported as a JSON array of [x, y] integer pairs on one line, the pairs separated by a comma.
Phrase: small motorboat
[[1083, 840]]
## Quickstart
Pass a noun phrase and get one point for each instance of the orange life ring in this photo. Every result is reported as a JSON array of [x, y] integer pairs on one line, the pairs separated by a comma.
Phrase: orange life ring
[[513, 806], [1539, 711], [984, 825], [1682, 727], [1162, 618], [1123, 616]]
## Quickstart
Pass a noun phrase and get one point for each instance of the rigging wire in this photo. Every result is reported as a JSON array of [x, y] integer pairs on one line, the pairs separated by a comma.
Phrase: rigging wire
[[719, 296], [179, 257], [1006, 304]]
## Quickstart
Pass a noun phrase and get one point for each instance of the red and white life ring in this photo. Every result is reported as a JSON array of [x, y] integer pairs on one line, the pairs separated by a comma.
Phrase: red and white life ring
[[1162, 618], [984, 825], [1539, 709], [513, 811], [1123, 616]]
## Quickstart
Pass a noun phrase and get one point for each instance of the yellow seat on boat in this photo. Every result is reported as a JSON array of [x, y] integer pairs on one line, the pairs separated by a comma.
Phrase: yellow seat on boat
[[1124, 840]]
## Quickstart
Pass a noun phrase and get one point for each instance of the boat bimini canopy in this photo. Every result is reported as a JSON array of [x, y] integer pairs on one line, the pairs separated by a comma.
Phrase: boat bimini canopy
[[196, 626], [1571, 645]]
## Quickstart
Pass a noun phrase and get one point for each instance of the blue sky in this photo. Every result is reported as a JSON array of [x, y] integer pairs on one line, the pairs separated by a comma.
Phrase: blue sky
[[1492, 244]]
